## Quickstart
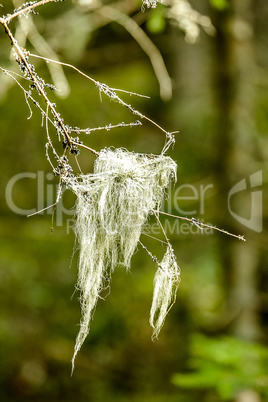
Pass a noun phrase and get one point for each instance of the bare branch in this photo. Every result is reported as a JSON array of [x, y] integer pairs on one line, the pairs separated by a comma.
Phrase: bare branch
[[198, 223], [110, 92], [24, 9]]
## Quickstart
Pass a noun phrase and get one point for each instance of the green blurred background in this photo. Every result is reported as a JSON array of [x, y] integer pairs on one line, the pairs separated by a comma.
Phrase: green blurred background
[[213, 344]]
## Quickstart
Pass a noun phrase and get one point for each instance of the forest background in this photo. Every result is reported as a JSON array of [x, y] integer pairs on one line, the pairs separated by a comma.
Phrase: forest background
[[212, 346]]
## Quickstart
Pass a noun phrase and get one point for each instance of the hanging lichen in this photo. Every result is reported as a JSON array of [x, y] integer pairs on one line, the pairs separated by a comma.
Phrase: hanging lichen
[[166, 282], [112, 206]]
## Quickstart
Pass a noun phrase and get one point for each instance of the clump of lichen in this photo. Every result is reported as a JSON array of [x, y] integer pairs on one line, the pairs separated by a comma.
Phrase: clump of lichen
[[113, 204]]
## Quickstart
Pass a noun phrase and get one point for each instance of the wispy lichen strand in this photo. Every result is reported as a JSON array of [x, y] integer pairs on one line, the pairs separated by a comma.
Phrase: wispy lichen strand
[[112, 206], [166, 282]]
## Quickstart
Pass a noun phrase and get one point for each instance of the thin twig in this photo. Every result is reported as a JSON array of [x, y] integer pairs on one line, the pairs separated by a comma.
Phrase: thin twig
[[161, 226], [108, 127], [78, 164], [9, 74], [131, 93], [78, 144], [23, 10], [23, 59], [196, 222], [106, 89], [97, 83], [155, 238], [153, 257], [41, 210], [49, 144], [146, 44], [30, 32]]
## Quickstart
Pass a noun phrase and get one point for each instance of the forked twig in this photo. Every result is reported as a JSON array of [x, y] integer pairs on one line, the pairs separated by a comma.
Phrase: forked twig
[[110, 92], [198, 224], [24, 9]]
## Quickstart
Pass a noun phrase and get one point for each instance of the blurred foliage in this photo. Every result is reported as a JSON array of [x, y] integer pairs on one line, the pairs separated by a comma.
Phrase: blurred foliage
[[219, 4], [227, 365], [156, 23]]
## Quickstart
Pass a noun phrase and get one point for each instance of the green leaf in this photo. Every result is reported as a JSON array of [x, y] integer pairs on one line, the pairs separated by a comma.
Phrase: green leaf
[[225, 365]]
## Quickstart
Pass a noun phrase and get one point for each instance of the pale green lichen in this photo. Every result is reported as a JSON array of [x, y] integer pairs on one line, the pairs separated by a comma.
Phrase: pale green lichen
[[166, 282], [112, 206]]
